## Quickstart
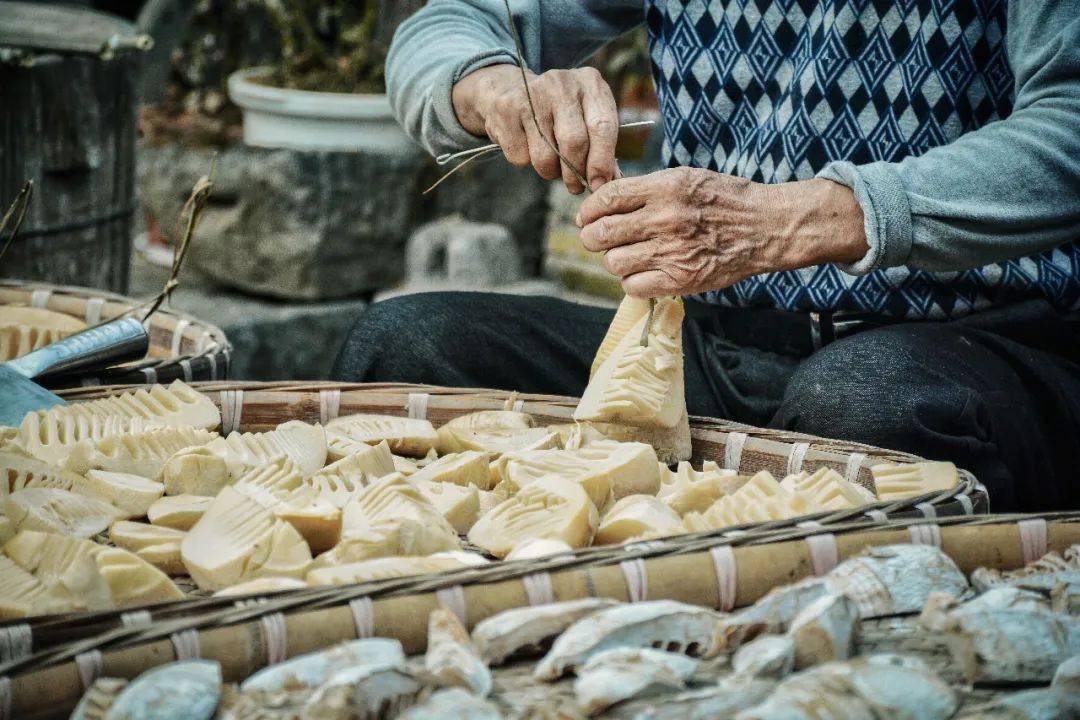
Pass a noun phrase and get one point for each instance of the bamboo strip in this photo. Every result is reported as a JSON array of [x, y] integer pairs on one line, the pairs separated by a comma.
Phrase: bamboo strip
[[990, 542]]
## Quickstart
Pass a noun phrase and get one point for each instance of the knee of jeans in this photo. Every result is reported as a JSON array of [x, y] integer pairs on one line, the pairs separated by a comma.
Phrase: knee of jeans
[[856, 389], [397, 332]]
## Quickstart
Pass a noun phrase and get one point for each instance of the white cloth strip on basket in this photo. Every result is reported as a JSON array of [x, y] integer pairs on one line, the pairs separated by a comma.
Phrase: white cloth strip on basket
[[637, 579], [136, 618], [538, 588], [927, 509], [5, 698], [1032, 538], [206, 341], [925, 534], [186, 644], [213, 366], [453, 598], [90, 382], [329, 405], [92, 315], [723, 558], [796, 457], [519, 406], [854, 464], [185, 368], [363, 612], [965, 502], [40, 298], [232, 406], [417, 405], [733, 448], [877, 515], [89, 664], [151, 375], [226, 355], [824, 554], [178, 336], [275, 634], [16, 642]]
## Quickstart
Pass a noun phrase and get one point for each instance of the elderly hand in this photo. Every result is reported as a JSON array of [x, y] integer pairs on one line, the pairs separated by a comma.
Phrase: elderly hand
[[688, 230], [575, 108]]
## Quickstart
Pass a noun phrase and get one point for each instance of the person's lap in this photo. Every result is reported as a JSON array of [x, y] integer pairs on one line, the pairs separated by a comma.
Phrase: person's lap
[[985, 395]]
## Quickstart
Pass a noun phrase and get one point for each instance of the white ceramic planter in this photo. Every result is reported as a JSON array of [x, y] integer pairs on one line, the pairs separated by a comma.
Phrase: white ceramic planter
[[305, 120]]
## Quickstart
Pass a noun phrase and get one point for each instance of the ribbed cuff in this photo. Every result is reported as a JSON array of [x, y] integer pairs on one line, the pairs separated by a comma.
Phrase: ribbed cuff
[[457, 137], [886, 213]]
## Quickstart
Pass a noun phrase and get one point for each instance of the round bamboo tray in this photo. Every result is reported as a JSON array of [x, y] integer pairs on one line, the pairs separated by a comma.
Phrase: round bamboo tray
[[181, 346], [718, 569], [261, 406]]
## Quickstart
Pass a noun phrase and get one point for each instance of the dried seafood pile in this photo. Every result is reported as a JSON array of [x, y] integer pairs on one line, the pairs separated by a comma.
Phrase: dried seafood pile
[[839, 646], [107, 501]]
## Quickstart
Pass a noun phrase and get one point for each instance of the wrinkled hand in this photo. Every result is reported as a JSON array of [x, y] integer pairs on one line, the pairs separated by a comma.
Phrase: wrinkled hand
[[575, 108], [688, 230]]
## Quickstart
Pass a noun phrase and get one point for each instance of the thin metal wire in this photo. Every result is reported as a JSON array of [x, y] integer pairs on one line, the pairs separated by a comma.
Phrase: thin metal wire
[[447, 157]]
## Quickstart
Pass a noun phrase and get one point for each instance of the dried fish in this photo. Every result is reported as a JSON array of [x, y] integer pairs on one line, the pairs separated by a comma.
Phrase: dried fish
[[313, 669], [370, 692], [189, 689], [723, 700], [896, 579], [661, 624], [769, 656], [453, 704], [825, 631], [1039, 704], [1042, 574], [451, 659], [1065, 598], [518, 630], [772, 613], [1010, 645], [619, 674], [98, 698], [880, 686]]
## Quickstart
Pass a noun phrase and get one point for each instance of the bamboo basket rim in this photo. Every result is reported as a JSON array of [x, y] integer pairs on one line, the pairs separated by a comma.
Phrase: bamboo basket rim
[[214, 613], [207, 338]]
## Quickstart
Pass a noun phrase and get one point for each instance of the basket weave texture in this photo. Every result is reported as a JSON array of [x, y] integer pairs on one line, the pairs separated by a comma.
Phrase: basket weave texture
[[181, 346]]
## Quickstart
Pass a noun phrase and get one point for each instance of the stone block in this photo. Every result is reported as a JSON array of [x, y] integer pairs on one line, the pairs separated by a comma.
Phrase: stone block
[[478, 255], [288, 224]]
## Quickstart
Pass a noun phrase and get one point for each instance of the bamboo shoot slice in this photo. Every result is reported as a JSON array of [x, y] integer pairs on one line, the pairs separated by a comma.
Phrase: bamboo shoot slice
[[827, 489], [382, 568], [25, 329], [459, 505], [405, 436], [464, 468], [341, 480], [59, 511], [131, 494], [180, 512], [19, 471], [260, 586], [23, 595], [238, 540], [896, 482], [134, 536], [143, 453], [637, 515], [483, 421], [551, 508]]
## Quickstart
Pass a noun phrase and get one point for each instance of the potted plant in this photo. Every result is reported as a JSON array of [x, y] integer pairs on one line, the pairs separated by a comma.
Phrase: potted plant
[[326, 92]]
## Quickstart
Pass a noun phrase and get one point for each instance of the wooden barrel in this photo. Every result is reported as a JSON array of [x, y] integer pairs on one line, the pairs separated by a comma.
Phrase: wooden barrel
[[67, 122]]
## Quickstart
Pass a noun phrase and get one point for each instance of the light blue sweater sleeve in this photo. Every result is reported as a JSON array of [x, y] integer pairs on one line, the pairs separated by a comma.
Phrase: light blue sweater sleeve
[[448, 39], [1009, 189]]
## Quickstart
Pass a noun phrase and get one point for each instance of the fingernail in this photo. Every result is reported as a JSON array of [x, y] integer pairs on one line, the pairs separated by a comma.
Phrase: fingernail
[[595, 183]]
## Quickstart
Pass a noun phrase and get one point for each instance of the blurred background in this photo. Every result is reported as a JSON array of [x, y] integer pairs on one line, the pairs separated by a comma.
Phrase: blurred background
[[317, 208]]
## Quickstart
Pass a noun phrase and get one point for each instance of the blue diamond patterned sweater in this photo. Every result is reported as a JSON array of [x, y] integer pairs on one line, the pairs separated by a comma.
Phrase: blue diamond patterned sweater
[[955, 122]]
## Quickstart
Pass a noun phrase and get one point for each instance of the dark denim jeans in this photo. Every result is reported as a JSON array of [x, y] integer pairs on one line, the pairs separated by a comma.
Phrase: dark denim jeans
[[997, 393]]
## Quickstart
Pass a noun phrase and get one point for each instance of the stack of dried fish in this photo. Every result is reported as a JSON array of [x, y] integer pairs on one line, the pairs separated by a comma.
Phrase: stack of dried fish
[[135, 489], [855, 643]]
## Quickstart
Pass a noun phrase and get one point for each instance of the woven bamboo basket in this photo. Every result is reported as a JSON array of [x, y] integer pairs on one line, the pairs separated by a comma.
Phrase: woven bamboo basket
[[719, 569], [181, 346]]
